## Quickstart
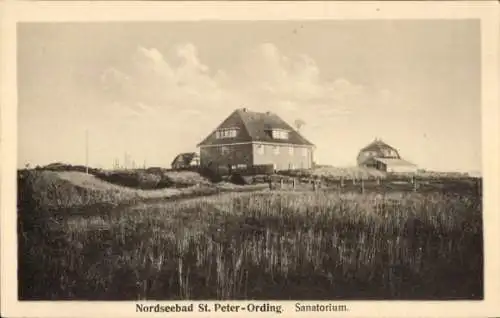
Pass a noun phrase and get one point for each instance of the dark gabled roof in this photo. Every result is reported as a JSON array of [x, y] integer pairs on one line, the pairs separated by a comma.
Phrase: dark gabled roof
[[377, 145], [254, 126], [185, 158]]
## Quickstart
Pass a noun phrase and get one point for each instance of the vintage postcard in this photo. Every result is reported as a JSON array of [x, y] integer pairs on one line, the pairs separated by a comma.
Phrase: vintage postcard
[[250, 159]]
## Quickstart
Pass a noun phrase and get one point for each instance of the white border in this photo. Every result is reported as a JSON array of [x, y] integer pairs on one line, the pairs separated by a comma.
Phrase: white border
[[13, 12]]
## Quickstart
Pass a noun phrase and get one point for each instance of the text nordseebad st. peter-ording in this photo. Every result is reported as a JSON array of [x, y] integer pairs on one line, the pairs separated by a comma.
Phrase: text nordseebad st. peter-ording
[[217, 307]]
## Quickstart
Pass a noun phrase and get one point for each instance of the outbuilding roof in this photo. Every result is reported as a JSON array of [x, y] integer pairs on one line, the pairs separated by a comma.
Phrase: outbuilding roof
[[394, 162], [185, 158], [377, 145]]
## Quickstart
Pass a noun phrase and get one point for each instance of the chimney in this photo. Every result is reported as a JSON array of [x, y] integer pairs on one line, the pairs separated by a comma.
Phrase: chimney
[[244, 109]]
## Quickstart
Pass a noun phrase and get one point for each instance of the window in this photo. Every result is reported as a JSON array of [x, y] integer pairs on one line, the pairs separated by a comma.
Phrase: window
[[226, 133], [290, 150], [224, 150], [276, 150], [304, 152], [280, 134]]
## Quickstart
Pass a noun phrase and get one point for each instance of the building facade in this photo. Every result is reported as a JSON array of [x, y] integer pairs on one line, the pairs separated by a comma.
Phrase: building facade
[[249, 138]]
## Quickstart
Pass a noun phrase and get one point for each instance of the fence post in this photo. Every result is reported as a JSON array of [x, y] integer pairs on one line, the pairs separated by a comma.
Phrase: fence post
[[415, 185], [281, 183], [362, 185], [293, 183], [378, 180], [341, 182]]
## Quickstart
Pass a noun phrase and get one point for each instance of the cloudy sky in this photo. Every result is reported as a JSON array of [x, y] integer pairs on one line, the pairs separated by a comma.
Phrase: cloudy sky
[[156, 89]]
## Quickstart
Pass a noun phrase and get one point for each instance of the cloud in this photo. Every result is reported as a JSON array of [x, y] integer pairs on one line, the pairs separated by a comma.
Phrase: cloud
[[178, 84]]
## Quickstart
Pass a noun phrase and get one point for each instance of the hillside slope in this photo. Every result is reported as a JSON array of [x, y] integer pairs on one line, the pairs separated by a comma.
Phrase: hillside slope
[[70, 189], [67, 189]]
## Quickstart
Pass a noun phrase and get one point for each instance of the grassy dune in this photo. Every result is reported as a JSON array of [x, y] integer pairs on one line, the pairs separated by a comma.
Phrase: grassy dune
[[68, 189], [268, 244]]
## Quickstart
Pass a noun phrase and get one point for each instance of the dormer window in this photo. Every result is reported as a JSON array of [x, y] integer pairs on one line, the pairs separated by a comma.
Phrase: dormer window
[[279, 134], [226, 133]]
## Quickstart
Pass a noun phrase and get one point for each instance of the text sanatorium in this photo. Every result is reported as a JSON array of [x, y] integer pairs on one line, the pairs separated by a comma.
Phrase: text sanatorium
[[320, 307]]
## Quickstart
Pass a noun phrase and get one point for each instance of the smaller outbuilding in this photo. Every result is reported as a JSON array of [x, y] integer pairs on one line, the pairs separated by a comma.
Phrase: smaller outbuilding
[[186, 160], [381, 156]]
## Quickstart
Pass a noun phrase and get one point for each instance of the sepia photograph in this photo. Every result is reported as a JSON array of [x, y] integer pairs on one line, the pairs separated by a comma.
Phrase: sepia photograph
[[269, 160], [243, 160]]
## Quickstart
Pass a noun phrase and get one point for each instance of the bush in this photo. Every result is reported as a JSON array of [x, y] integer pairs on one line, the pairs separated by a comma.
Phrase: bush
[[155, 170], [136, 179], [185, 178], [261, 169], [210, 174], [238, 179], [58, 166]]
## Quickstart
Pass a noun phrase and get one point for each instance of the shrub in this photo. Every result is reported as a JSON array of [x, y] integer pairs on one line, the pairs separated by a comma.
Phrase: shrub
[[138, 179], [260, 169], [238, 179], [185, 178], [58, 166], [211, 174]]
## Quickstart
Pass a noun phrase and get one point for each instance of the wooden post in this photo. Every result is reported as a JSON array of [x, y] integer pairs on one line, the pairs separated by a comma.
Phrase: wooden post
[[362, 185], [415, 184], [87, 151], [293, 183], [378, 180], [341, 182], [314, 185], [281, 183]]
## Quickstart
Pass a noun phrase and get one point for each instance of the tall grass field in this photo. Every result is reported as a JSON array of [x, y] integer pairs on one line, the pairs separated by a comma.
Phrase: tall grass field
[[252, 245]]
